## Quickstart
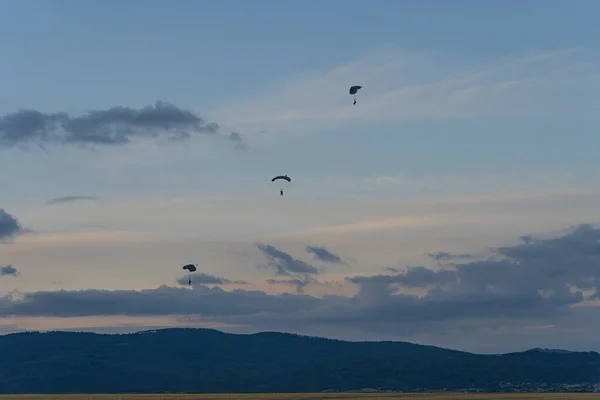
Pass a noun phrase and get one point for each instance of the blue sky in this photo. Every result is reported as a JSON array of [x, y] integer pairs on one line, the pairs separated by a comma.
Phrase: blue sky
[[476, 124]]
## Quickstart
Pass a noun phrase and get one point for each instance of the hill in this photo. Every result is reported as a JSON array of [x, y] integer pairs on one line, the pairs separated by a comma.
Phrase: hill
[[205, 360], [551, 350]]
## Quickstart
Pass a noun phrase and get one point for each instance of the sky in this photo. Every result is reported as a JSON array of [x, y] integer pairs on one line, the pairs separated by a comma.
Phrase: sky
[[456, 204]]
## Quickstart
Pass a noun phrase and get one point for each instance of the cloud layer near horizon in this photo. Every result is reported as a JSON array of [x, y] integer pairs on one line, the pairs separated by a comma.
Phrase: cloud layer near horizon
[[539, 281], [207, 279]]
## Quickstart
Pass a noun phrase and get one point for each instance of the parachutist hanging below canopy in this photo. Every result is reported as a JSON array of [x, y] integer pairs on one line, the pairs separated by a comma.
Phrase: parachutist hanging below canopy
[[191, 268], [353, 91], [285, 178]]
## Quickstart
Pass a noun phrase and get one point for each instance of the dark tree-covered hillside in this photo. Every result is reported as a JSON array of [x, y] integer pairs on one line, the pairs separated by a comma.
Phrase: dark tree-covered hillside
[[204, 360]]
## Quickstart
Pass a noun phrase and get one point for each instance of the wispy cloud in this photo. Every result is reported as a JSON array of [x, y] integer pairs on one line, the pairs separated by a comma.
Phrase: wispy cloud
[[397, 213], [473, 183], [400, 85], [385, 180], [139, 219], [368, 225], [445, 256], [299, 282], [284, 264], [322, 254], [112, 238], [69, 199]]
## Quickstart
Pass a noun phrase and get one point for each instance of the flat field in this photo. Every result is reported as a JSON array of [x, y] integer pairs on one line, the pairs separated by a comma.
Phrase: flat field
[[313, 396]]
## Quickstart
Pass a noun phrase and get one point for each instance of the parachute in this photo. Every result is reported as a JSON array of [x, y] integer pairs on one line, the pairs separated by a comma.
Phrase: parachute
[[191, 268], [353, 90], [285, 178]]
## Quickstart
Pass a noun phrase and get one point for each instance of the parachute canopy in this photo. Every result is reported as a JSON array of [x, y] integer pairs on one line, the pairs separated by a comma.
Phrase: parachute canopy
[[190, 267], [354, 89], [284, 177]]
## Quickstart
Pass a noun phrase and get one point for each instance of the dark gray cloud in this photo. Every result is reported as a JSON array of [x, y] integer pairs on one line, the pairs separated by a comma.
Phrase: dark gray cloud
[[525, 291], [207, 279], [202, 300], [8, 270], [284, 264], [526, 238], [413, 277], [114, 126], [322, 254], [69, 199], [299, 282], [541, 277], [444, 256], [239, 141], [9, 226]]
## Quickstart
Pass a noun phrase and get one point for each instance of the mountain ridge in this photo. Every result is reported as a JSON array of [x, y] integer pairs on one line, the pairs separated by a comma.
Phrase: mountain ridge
[[209, 360]]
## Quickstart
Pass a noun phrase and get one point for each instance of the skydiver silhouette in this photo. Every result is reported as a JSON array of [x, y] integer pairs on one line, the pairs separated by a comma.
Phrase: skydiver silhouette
[[354, 101], [190, 280], [281, 192]]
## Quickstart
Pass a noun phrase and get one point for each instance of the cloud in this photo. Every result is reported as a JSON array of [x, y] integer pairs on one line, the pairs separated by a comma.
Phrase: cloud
[[207, 279], [444, 256], [299, 282], [367, 225], [238, 139], [402, 85], [546, 282], [113, 126], [8, 270], [386, 180], [211, 302], [9, 226], [69, 199], [540, 278], [413, 277], [284, 264], [322, 254]]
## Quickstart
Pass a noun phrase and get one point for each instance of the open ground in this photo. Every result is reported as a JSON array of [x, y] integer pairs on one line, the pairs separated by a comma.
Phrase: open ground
[[313, 396]]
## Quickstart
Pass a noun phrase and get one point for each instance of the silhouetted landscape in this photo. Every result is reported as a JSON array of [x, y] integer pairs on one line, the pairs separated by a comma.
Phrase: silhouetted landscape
[[205, 360]]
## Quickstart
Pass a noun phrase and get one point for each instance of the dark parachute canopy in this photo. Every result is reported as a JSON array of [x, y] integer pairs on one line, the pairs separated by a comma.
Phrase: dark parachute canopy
[[190, 267], [284, 177], [354, 89]]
